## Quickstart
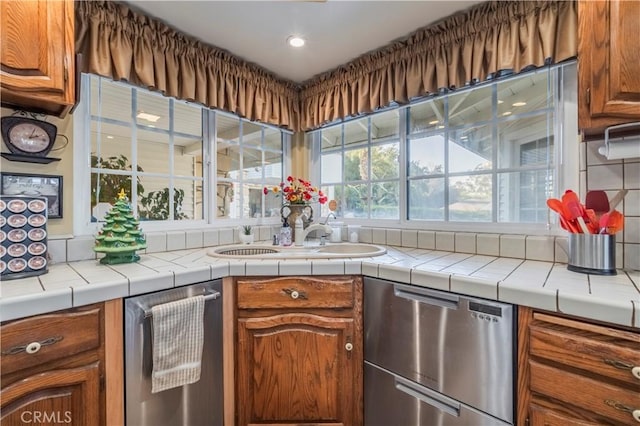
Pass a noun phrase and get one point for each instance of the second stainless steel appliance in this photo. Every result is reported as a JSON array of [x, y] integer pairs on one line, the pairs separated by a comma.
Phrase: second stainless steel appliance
[[199, 403], [436, 358]]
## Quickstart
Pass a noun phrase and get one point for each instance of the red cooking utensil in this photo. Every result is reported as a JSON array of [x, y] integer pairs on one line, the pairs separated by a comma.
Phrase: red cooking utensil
[[557, 206], [616, 222], [597, 201]]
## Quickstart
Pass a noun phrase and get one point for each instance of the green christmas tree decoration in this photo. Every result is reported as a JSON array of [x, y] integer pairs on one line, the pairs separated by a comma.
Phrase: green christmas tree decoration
[[120, 236]]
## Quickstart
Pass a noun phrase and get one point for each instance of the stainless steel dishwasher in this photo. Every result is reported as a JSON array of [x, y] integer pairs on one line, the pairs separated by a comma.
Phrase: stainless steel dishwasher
[[436, 358], [199, 403]]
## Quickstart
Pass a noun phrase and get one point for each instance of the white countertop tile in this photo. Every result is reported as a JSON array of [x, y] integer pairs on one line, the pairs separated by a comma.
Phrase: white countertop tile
[[479, 287], [13, 288]]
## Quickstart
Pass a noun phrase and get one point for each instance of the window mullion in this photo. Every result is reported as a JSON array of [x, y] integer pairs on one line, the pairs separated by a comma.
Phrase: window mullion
[[171, 161], [134, 151], [494, 153]]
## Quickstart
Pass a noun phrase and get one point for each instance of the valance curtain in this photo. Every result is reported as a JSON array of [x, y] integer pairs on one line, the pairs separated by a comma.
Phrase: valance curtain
[[463, 49], [123, 44]]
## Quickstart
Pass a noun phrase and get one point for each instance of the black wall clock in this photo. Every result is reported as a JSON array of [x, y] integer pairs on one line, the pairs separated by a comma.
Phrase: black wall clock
[[28, 139]]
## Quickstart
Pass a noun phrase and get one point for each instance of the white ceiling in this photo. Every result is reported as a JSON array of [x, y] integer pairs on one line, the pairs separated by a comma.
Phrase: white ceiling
[[336, 31]]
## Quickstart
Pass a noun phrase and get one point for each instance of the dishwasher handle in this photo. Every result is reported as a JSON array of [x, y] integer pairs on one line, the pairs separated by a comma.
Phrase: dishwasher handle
[[428, 396], [210, 296], [444, 300]]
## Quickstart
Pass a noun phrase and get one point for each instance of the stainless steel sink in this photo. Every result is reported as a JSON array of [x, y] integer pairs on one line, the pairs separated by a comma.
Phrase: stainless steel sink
[[330, 251]]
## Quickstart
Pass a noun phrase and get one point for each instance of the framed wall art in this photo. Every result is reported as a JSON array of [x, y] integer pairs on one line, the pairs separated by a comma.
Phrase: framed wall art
[[32, 185]]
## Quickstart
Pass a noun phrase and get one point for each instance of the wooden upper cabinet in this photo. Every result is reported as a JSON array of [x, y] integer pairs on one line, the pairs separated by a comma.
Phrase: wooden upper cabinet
[[608, 64], [37, 55]]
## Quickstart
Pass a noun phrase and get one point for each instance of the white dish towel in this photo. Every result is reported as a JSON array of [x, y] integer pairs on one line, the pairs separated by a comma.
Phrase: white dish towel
[[178, 335]]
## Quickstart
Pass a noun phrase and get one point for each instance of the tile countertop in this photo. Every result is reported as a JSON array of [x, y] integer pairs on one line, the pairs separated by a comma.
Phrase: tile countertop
[[544, 285]]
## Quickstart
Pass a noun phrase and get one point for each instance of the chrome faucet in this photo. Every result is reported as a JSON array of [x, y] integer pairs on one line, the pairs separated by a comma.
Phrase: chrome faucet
[[327, 219], [301, 233]]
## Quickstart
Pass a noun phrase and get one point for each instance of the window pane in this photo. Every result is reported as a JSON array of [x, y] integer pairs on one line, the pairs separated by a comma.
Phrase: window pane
[[273, 203], [471, 149], [272, 139], [252, 200], [333, 192], [515, 135], [104, 148], [356, 165], [153, 110], [331, 138], [356, 200], [105, 188], [526, 93], [110, 100], [426, 199], [426, 155], [356, 132], [427, 115], [187, 199], [331, 167], [187, 119], [522, 196], [251, 134], [385, 125], [153, 202], [227, 128], [228, 160], [385, 200], [385, 161], [153, 152], [470, 198], [252, 164], [470, 106], [224, 197]]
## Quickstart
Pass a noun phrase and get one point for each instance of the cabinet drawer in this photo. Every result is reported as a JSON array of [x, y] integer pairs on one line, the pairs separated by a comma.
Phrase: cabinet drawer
[[597, 349], [614, 402], [45, 338], [295, 292]]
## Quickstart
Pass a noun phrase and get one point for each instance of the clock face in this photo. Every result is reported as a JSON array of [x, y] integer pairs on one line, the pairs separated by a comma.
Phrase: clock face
[[29, 138]]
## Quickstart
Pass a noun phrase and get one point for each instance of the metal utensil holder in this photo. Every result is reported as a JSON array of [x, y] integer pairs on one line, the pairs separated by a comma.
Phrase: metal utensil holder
[[592, 254]]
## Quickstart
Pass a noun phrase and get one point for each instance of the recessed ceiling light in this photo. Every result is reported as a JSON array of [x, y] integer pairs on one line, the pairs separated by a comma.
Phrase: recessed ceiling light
[[518, 104], [500, 101], [506, 113], [109, 137], [295, 41], [434, 122], [149, 117]]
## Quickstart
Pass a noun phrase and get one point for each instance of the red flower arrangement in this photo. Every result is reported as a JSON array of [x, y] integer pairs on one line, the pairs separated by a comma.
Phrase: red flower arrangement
[[297, 191]]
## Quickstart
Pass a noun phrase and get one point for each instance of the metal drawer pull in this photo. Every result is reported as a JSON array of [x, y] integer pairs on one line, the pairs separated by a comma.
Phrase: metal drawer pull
[[209, 296], [32, 347], [625, 408], [622, 365], [295, 294]]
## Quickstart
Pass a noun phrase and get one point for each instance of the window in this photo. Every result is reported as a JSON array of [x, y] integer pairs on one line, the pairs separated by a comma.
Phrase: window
[[487, 154], [156, 149], [360, 167]]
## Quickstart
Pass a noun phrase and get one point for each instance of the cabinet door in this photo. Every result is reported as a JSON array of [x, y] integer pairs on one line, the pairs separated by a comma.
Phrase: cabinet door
[[37, 54], [297, 368], [69, 396], [609, 63]]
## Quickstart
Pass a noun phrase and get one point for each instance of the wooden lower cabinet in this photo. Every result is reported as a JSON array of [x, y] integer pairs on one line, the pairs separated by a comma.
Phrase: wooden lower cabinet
[[573, 372], [65, 396], [54, 368], [298, 360]]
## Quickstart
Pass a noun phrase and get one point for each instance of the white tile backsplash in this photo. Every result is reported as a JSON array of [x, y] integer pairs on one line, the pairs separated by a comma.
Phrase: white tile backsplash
[[512, 246], [540, 248], [445, 241], [226, 236], [394, 237], [604, 177], [427, 240], [80, 248], [176, 240], [57, 250], [156, 242], [210, 237], [631, 176], [409, 238], [465, 242], [488, 244], [194, 239]]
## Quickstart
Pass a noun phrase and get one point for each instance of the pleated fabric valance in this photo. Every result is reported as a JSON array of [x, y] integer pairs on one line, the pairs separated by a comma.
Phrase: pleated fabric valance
[[123, 44], [460, 50], [468, 47]]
